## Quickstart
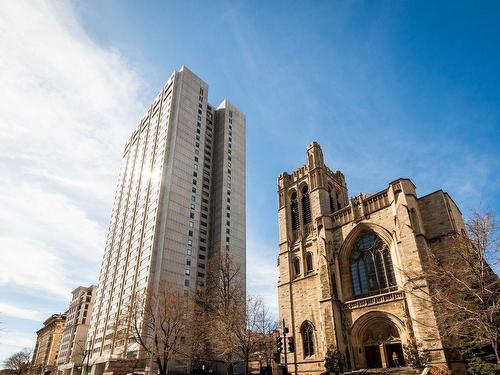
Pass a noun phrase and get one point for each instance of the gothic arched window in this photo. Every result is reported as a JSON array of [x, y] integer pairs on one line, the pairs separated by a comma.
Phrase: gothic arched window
[[296, 266], [294, 207], [371, 266], [309, 262], [306, 206], [307, 333], [332, 206]]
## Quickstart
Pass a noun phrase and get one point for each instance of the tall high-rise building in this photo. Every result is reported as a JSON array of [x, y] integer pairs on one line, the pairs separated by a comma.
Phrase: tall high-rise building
[[180, 199]]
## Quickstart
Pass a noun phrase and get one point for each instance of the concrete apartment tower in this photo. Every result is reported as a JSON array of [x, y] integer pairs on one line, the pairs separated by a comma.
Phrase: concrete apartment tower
[[72, 355], [343, 269], [46, 350], [180, 199]]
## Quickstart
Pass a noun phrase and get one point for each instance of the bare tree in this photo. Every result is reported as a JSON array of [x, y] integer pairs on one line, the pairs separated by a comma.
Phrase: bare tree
[[222, 305], [464, 290], [267, 329], [19, 362], [160, 325]]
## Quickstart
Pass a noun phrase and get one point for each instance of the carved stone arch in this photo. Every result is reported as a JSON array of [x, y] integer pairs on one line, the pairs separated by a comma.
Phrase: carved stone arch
[[355, 234], [290, 192], [301, 187], [360, 325], [380, 331]]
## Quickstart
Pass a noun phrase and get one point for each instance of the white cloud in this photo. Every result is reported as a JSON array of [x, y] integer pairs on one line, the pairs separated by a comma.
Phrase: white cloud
[[67, 106], [6, 309], [262, 272]]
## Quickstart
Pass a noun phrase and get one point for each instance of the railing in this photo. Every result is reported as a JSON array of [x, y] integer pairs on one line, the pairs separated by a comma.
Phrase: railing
[[375, 300]]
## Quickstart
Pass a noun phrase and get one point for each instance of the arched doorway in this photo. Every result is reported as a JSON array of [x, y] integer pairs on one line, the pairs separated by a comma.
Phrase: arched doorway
[[377, 342]]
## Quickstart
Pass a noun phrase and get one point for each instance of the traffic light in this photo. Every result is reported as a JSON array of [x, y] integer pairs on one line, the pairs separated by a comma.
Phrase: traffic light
[[277, 358], [291, 344], [279, 344]]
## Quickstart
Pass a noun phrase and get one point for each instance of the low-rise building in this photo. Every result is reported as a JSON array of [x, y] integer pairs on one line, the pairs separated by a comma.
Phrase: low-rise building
[[47, 345], [72, 354]]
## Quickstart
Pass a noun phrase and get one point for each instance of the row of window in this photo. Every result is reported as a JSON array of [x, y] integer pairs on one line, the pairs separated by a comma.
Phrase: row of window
[[306, 208], [297, 264]]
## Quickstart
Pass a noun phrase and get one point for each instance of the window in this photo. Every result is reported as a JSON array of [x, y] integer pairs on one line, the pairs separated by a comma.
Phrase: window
[[306, 206], [296, 266], [309, 262], [371, 266], [186, 282], [294, 206], [307, 333]]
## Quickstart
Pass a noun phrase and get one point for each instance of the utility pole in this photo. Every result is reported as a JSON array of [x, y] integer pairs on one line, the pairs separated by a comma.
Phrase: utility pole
[[285, 331]]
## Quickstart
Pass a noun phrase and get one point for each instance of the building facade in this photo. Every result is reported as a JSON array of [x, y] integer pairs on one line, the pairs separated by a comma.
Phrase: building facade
[[47, 345], [180, 199], [343, 263], [72, 354]]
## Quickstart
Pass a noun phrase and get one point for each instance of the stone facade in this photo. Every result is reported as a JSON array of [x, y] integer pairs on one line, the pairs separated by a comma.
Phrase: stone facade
[[47, 345], [343, 265], [72, 348]]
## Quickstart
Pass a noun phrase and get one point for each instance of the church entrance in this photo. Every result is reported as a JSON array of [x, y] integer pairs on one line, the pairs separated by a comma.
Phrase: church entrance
[[381, 344]]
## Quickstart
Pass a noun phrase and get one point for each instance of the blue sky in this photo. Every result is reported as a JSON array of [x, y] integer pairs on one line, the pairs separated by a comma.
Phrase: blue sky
[[389, 89]]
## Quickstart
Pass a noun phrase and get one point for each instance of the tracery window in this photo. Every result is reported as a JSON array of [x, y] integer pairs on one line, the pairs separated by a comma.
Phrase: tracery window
[[307, 333], [294, 206], [306, 206], [309, 262], [371, 266]]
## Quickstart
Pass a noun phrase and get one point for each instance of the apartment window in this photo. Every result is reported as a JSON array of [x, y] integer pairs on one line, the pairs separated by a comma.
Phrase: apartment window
[[193, 206], [227, 222], [228, 207], [230, 127], [198, 124], [228, 200], [229, 157], [201, 274], [229, 171], [201, 256], [197, 144], [191, 215], [191, 224], [201, 265], [227, 239], [188, 262], [193, 190], [228, 215], [197, 152], [187, 272], [194, 181], [197, 137], [193, 198], [195, 174], [189, 252], [230, 140], [198, 131], [186, 282], [196, 160], [190, 242], [227, 231]]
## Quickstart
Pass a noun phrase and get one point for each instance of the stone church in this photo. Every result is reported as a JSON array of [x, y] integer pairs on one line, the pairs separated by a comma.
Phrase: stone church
[[342, 262]]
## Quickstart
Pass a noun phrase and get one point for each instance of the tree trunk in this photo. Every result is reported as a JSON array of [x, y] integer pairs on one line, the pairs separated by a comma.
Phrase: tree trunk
[[496, 346], [229, 367]]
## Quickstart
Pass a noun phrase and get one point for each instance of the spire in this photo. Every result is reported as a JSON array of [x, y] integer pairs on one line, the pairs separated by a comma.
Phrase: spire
[[314, 156]]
